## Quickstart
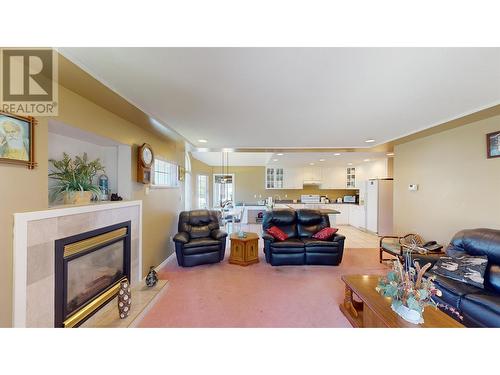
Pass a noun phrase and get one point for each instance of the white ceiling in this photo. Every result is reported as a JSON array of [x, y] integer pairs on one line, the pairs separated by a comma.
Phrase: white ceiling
[[298, 97], [291, 159], [247, 159]]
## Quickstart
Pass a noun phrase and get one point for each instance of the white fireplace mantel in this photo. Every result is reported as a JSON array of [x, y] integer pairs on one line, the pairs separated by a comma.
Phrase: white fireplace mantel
[[94, 215]]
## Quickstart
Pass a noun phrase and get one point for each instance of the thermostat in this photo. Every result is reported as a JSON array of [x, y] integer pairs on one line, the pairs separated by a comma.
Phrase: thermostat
[[413, 187]]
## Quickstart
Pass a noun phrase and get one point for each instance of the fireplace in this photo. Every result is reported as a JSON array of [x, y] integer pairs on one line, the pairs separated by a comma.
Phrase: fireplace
[[88, 271]]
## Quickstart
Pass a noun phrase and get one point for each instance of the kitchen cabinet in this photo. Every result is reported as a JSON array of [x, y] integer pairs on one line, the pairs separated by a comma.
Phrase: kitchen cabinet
[[292, 178], [350, 177], [312, 174], [274, 178], [343, 217], [333, 178], [357, 216]]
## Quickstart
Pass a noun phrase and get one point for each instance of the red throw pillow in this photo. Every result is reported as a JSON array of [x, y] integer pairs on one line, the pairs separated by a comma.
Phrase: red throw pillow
[[277, 233], [325, 233]]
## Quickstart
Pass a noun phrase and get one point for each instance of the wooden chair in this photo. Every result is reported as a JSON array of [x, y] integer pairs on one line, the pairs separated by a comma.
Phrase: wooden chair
[[396, 248]]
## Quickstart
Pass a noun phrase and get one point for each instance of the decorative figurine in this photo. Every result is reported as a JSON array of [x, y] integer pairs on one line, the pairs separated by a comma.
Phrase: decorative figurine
[[152, 277], [115, 197]]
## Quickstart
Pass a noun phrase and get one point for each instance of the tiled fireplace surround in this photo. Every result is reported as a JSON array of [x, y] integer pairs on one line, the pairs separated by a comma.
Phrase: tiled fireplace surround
[[34, 237]]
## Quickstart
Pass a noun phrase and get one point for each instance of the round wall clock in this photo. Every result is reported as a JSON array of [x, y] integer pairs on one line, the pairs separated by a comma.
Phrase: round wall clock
[[147, 155], [145, 159]]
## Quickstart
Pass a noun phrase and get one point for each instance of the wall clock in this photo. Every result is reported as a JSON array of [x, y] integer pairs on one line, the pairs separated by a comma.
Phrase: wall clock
[[145, 159]]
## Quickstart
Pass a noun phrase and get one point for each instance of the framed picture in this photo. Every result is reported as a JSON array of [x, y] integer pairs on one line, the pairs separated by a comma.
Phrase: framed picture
[[181, 173], [17, 139], [493, 144]]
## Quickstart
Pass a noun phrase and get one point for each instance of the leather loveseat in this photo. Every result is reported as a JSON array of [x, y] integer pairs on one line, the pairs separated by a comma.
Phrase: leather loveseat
[[200, 239], [300, 247], [478, 307]]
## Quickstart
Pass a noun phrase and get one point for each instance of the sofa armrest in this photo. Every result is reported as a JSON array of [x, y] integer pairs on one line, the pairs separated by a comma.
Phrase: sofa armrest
[[337, 238], [267, 237], [218, 234], [182, 237]]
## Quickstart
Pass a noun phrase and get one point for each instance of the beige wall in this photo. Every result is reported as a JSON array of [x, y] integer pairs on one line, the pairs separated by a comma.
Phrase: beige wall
[[198, 168], [25, 190], [21, 190], [458, 186]]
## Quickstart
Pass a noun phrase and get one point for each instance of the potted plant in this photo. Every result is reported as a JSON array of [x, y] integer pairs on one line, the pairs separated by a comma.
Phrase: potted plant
[[75, 179], [409, 290]]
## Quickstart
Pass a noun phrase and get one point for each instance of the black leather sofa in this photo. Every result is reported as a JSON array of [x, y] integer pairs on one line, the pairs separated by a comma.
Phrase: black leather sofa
[[478, 307], [200, 239], [300, 248]]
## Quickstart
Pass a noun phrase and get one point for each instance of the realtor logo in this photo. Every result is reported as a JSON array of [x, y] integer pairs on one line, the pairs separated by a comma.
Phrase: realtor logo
[[29, 81]]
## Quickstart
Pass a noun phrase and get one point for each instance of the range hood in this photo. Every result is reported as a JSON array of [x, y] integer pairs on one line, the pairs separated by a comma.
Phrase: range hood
[[311, 182]]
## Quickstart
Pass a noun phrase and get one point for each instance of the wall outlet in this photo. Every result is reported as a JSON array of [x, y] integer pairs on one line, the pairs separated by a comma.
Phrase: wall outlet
[[413, 187], [146, 190]]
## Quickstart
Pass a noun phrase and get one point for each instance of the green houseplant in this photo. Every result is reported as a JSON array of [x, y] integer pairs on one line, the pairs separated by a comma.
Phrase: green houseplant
[[74, 179]]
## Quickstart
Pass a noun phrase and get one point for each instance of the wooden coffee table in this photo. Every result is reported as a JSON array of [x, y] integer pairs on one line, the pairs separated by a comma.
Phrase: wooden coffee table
[[244, 251], [374, 310]]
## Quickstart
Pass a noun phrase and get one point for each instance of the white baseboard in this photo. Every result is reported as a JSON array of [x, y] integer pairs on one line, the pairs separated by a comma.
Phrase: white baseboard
[[162, 264]]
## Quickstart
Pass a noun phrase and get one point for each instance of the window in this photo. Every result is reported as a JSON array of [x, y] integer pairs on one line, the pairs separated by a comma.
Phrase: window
[[223, 189], [165, 174], [202, 191]]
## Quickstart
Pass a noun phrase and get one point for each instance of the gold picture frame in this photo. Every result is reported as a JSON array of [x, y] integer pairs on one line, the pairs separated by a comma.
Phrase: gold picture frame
[[17, 140], [181, 173]]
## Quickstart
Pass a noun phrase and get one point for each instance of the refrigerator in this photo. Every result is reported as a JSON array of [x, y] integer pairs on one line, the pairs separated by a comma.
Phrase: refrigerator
[[379, 206]]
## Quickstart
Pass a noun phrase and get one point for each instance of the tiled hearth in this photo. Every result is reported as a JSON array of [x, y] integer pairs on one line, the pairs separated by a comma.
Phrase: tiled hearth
[[34, 237]]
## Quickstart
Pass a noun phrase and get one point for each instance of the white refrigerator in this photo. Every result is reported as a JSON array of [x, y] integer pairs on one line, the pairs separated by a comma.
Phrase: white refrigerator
[[379, 206]]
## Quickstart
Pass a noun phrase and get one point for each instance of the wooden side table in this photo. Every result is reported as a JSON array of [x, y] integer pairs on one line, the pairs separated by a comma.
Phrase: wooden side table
[[244, 251]]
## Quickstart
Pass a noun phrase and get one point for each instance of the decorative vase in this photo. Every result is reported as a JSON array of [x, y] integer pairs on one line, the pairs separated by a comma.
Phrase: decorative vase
[[124, 299], [77, 197], [411, 316], [152, 277]]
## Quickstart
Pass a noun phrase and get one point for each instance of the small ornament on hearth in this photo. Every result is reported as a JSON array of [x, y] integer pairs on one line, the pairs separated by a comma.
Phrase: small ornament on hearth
[[152, 277], [124, 299]]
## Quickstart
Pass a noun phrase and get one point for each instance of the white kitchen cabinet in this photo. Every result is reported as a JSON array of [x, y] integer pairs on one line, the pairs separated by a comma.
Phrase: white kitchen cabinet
[[274, 178], [293, 178], [333, 178], [343, 217], [357, 216], [311, 174]]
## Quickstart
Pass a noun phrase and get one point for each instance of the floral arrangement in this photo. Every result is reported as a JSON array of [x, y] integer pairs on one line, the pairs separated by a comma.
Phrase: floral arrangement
[[409, 290], [75, 175]]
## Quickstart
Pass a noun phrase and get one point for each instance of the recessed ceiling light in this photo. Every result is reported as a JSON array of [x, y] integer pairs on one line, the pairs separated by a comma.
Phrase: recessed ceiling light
[[337, 154], [370, 140], [280, 154], [321, 159], [311, 163], [275, 159], [366, 160], [202, 140], [390, 154]]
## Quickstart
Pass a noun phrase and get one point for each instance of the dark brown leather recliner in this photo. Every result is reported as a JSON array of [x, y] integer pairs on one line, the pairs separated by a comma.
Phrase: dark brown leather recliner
[[200, 239]]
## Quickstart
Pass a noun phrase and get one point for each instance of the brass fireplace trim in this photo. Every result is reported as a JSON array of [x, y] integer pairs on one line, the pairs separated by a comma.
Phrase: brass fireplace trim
[[90, 243], [87, 310]]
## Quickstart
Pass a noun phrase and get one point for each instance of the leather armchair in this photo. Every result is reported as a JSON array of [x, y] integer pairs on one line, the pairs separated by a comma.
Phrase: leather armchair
[[300, 248], [200, 239], [473, 307]]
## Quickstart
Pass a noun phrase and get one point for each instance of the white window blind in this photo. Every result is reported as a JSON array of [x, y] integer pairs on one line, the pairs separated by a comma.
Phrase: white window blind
[[165, 174]]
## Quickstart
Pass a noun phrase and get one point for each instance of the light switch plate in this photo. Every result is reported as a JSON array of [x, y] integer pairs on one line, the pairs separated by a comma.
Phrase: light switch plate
[[413, 187]]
